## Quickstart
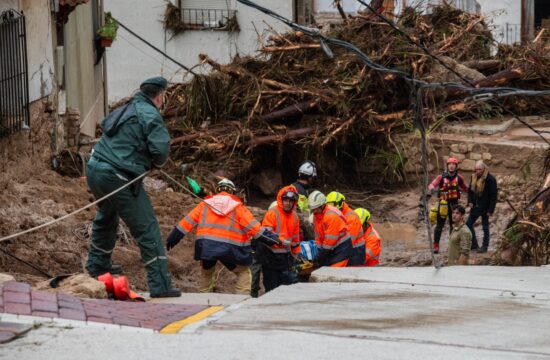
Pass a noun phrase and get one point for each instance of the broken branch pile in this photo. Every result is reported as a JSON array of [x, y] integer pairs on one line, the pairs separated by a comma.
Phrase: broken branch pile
[[293, 92]]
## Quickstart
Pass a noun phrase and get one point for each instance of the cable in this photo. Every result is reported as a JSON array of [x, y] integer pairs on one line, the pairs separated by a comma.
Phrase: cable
[[27, 263], [154, 47], [419, 122], [74, 212], [411, 40], [325, 41]]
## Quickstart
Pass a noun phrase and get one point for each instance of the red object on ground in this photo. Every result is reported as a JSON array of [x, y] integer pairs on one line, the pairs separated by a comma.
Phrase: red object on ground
[[107, 279]]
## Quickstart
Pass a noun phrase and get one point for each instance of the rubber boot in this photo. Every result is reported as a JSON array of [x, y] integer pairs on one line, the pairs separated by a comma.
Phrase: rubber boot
[[206, 280], [244, 280]]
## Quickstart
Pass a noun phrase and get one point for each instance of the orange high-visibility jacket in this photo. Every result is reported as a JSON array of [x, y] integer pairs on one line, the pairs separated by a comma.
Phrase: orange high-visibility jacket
[[285, 224], [224, 228], [372, 246], [355, 229], [332, 236]]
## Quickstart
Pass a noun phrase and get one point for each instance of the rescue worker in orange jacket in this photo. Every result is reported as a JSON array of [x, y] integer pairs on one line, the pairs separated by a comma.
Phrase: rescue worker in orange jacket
[[372, 239], [448, 186], [278, 259], [331, 232], [354, 226], [224, 231]]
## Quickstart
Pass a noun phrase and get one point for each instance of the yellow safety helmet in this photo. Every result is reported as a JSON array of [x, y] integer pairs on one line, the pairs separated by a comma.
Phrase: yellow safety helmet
[[364, 214], [336, 198]]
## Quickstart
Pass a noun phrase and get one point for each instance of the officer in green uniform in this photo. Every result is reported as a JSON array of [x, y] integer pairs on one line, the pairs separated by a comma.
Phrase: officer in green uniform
[[134, 140]]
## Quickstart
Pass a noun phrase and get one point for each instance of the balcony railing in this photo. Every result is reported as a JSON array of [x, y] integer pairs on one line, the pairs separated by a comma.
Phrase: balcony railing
[[508, 33], [217, 19]]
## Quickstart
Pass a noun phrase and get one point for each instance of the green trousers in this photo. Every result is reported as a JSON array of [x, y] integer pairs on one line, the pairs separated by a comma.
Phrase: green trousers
[[138, 214]]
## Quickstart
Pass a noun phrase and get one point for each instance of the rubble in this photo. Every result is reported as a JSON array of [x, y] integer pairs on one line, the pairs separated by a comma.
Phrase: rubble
[[242, 113]]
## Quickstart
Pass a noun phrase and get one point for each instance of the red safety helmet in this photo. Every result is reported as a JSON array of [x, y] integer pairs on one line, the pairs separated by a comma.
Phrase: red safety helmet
[[452, 160]]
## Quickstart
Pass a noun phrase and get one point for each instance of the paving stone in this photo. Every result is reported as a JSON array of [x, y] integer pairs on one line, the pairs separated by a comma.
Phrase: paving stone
[[17, 308], [17, 297], [100, 320], [70, 305], [104, 313], [68, 298], [43, 295], [16, 286], [15, 328], [126, 321], [47, 314], [72, 314], [154, 324], [50, 306]]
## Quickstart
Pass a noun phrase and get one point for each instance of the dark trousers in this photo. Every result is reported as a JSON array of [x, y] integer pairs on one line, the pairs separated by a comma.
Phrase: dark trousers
[[138, 214], [275, 278], [441, 222], [256, 270], [484, 224]]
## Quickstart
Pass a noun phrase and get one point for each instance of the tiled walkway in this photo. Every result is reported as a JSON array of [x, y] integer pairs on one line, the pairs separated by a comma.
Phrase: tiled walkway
[[19, 298]]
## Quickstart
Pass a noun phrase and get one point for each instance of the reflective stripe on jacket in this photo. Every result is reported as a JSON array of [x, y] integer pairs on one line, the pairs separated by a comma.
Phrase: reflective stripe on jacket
[[286, 225], [224, 229], [357, 237], [372, 247], [332, 236]]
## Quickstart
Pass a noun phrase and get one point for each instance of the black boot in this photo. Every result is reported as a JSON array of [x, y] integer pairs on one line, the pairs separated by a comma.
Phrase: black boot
[[173, 292]]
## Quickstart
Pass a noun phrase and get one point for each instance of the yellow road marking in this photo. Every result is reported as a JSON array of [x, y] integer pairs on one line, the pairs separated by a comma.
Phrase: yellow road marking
[[176, 326]]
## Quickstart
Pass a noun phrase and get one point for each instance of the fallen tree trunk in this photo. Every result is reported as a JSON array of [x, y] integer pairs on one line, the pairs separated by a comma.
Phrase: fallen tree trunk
[[482, 64], [291, 134], [500, 78], [229, 70], [290, 111]]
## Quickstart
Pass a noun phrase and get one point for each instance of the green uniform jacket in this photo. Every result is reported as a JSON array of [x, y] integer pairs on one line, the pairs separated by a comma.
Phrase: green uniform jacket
[[141, 143], [460, 242]]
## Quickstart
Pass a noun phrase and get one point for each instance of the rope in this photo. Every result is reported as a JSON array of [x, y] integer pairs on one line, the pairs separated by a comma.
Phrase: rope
[[5, 238]]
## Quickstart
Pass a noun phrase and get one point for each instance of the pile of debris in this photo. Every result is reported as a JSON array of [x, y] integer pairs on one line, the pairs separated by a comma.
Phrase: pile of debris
[[238, 116], [527, 239]]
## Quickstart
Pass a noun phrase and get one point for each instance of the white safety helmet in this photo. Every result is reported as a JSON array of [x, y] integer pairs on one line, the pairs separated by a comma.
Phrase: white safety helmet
[[225, 185], [273, 205], [316, 199], [307, 169]]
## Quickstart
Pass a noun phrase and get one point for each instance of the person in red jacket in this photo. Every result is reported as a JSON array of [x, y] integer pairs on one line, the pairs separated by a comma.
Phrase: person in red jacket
[[331, 232], [448, 186], [355, 228], [224, 231], [278, 259], [372, 239]]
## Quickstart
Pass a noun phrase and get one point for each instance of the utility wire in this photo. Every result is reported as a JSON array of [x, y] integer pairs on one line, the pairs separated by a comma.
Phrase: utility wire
[[417, 44], [155, 48]]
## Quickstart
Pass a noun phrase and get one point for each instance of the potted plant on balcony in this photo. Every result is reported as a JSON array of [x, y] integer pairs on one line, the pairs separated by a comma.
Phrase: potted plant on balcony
[[108, 31]]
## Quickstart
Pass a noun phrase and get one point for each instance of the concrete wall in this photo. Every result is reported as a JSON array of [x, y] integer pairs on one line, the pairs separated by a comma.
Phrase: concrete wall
[[502, 12], [83, 79], [39, 44], [129, 60]]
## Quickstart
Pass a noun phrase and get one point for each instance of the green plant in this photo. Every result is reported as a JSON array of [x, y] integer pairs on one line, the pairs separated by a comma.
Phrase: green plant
[[109, 29]]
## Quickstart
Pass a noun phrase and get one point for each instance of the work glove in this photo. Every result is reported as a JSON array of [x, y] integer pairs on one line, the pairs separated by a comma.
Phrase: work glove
[[269, 238], [174, 238]]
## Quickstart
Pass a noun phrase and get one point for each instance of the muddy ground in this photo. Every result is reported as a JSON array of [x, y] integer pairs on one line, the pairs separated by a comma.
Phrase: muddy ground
[[33, 194]]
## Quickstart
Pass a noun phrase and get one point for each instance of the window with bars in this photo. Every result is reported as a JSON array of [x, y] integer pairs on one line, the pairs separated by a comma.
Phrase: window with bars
[[208, 14]]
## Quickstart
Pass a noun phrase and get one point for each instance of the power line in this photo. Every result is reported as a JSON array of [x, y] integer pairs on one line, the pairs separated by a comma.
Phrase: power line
[[154, 47]]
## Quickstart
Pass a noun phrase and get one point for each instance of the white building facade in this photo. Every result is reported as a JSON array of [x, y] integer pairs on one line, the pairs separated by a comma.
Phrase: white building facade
[[130, 61]]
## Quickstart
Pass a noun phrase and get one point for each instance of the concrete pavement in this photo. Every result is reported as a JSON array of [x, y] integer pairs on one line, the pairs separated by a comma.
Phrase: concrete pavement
[[410, 313]]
